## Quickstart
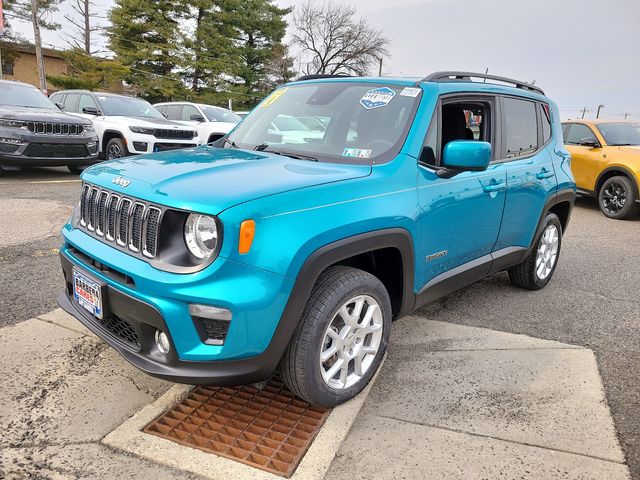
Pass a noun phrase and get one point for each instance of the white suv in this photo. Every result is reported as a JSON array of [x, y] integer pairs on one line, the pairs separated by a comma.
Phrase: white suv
[[211, 122], [126, 125]]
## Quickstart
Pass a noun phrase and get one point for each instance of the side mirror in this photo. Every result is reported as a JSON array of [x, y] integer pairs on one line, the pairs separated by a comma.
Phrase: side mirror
[[60, 106], [196, 118], [466, 155], [589, 142], [90, 110]]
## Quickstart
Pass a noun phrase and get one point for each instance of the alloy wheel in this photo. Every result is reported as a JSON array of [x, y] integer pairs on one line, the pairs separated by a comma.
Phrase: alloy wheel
[[114, 151], [547, 252], [614, 197], [351, 342]]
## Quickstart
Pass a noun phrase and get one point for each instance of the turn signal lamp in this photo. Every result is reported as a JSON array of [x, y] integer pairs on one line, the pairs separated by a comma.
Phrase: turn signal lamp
[[247, 231]]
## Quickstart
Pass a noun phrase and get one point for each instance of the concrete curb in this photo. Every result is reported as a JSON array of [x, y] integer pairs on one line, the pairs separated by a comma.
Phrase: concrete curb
[[314, 465]]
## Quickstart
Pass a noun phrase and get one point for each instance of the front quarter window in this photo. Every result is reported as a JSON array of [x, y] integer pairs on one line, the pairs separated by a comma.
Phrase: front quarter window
[[346, 121]]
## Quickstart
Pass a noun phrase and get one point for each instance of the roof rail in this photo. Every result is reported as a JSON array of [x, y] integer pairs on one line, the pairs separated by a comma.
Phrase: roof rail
[[321, 75], [467, 76]]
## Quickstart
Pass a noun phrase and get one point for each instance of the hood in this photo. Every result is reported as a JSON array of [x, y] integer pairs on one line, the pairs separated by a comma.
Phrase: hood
[[209, 180], [39, 115], [147, 122]]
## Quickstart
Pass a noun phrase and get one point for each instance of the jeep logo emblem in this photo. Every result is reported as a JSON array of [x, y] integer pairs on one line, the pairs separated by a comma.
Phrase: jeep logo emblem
[[121, 182]]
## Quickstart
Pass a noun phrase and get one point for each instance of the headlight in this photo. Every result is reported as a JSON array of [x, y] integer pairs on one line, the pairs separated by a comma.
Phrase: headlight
[[143, 130], [89, 128], [6, 122], [201, 235]]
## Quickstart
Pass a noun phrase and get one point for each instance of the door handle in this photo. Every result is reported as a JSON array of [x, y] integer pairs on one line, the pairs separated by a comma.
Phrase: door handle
[[495, 187], [544, 174]]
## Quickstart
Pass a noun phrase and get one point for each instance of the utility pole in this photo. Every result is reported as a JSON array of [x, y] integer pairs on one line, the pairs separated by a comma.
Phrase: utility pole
[[626, 115], [380, 67], [598, 112], [584, 111], [38, 41]]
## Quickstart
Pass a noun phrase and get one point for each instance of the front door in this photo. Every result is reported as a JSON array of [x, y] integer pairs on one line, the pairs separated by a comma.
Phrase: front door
[[584, 159], [460, 216]]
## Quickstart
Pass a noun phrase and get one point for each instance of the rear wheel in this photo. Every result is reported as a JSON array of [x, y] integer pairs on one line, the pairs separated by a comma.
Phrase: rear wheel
[[617, 198], [341, 339], [116, 148], [537, 269]]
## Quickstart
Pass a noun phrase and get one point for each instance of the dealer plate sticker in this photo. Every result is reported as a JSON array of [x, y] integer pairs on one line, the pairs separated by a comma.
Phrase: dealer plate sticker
[[87, 293], [377, 97]]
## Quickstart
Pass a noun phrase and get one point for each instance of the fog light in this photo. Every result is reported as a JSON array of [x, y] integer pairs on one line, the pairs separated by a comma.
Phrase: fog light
[[162, 342], [10, 140]]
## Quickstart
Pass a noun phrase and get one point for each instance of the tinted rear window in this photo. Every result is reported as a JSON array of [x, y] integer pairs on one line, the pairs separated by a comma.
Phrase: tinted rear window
[[521, 127]]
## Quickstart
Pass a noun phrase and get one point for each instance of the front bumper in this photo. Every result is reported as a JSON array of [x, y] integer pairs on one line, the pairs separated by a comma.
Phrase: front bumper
[[255, 341], [138, 143], [49, 150]]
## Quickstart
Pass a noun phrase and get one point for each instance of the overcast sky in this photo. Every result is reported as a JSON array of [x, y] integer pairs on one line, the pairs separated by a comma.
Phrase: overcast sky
[[581, 52]]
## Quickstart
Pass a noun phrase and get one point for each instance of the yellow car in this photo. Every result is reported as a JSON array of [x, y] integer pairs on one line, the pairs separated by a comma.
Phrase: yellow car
[[606, 163]]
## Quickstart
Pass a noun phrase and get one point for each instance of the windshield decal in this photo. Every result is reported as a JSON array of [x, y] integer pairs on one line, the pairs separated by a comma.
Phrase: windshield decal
[[356, 152], [377, 97], [410, 92], [274, 97]]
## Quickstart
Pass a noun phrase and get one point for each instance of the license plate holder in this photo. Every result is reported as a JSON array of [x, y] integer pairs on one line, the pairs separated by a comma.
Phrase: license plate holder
[[88, 293]]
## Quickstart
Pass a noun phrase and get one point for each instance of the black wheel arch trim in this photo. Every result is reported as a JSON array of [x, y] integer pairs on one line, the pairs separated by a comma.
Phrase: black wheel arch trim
[[623, 172]]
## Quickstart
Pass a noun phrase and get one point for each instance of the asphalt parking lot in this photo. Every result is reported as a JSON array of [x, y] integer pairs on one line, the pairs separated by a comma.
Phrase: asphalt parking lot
[[593, 301]]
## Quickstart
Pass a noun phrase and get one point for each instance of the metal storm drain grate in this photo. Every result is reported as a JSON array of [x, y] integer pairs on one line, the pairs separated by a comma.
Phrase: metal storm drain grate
[[268, 428]]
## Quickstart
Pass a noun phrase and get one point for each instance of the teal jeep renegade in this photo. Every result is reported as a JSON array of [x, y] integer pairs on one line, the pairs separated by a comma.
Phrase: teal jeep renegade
[[336, 206]]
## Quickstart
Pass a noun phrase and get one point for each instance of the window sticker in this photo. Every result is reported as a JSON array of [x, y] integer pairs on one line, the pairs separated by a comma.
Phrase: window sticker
[[274, 97], [356, 152], [410, 92], [377, 97]]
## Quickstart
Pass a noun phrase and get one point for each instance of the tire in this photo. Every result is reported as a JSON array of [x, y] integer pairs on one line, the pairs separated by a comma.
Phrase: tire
[[338, 289], [116, 148], [617, 198], [76, 169], [533, 273]]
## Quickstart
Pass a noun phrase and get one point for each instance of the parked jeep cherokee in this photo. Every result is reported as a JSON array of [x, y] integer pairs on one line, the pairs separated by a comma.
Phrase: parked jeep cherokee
[[33, 131], [222, 264]]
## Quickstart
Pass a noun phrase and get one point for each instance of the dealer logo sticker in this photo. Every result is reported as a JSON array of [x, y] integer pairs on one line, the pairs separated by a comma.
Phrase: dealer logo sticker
[[121, 182], [376, 98]]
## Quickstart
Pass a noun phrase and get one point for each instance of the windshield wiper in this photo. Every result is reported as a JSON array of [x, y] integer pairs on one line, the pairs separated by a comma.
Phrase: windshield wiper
[[230, 143], [298, 156]]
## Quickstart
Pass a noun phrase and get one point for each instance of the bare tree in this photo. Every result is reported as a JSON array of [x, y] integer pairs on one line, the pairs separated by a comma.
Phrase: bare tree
[[39, 13], [334, 41], [80, 38]]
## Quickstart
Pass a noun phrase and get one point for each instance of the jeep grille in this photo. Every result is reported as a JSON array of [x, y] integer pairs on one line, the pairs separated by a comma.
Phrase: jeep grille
[[130, 223], [50, 128]]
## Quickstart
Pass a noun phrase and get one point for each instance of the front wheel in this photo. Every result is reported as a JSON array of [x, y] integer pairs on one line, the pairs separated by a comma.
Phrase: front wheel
[[341, 338], [116, 148], [537, 269], [617, 198], [76, 169]]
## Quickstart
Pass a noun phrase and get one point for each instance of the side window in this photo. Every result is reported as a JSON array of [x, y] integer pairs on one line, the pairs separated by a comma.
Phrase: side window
[[86, 101], [71, 102], [58, 98], [188, 110], [465, 120], [565, 130], [520, 127], [162, 109], [546, 122], [174, 112], [577, 132]]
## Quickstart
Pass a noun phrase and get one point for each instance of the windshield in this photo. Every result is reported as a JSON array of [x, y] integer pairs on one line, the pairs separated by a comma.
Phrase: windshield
[[112, 105], [17, 95], [216, 114], [616, 134], [345, 122]]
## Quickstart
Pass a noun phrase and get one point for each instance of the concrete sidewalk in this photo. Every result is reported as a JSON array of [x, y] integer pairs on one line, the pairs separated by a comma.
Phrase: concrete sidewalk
[[450, 402]]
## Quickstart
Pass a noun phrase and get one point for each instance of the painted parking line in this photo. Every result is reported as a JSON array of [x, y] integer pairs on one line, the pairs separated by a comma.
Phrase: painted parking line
[[38, 182]]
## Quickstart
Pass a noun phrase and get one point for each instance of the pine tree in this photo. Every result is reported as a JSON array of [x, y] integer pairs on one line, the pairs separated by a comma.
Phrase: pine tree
[[145, 34]]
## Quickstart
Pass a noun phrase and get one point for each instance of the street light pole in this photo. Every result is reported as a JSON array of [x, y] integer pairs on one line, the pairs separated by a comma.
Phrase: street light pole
[[598, 112]]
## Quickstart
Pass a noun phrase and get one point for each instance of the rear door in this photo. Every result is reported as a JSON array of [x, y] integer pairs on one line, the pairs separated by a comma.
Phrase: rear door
[[531, 179], [584, 159]]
